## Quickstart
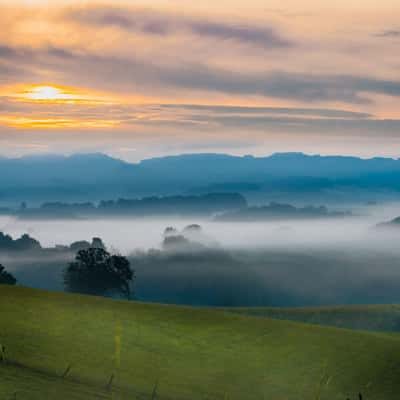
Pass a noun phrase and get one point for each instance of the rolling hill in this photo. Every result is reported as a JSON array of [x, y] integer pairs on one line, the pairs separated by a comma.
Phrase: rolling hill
[[94, 177], [378, 318], [124, 350]]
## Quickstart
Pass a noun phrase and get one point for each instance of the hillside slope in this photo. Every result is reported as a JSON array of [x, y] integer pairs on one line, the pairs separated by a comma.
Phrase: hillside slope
[[191, 353], [385, 318]]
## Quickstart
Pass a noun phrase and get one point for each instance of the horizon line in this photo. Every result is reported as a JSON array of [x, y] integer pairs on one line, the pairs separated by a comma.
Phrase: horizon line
[[176, 155]]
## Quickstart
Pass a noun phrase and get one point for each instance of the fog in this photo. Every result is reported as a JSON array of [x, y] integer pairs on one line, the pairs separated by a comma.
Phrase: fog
[[281, 263], [127, 234]]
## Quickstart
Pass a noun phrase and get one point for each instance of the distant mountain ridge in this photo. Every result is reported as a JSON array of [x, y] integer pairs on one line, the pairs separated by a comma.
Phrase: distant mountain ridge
[[98, 176]]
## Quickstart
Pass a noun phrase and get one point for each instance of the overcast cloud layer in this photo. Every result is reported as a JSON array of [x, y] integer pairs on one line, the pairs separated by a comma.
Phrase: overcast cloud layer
[[168, 77]]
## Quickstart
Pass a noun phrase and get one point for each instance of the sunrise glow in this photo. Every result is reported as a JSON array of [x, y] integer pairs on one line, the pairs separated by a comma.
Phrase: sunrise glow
[[48, 93], [242, 77], [56, 123], [56, 94]]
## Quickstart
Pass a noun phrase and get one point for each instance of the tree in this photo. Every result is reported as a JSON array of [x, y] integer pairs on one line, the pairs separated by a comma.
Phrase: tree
[[6, 278], [25, 242], [85, 245], [98, 243], [96, 272]]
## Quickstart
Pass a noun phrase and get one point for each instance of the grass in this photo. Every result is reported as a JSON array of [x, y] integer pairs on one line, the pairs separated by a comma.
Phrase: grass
[[124, 350], [17, 382]]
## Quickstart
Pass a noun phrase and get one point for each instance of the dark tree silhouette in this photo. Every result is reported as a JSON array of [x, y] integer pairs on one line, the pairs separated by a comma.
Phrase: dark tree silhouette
[[98, 243], [80, 245], [6, 278], [170, 231], [85, 245], [96, 272], [25, 242]]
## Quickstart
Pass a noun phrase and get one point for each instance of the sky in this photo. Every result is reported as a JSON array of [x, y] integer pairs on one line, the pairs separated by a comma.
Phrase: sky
[[149, 78]]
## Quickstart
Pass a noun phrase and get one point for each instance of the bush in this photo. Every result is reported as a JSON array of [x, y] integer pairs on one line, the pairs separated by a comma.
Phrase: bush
[[6, 278]]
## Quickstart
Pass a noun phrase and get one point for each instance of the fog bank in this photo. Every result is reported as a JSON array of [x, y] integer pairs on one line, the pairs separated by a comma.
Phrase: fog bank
[[281, 263]]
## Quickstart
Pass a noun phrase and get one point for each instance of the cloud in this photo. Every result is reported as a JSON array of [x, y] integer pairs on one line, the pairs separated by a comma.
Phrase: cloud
[[141, 75], [6, 51], [162, 117], [322, 126], [391, 33], [156, 23], [265, 37], [137, 73], [326, 122], [283, 85], [320, 112], [14, 64]]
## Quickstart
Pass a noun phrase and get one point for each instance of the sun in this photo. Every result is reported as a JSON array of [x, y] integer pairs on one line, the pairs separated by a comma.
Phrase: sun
[[45, 93], [48, 93]]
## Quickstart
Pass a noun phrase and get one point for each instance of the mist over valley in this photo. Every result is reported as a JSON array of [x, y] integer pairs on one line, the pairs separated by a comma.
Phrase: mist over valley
[[277, 262]]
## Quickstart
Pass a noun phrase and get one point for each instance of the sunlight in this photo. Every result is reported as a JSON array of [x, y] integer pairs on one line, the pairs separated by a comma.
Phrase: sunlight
[[56, 94], [56, 123], [48, 93]]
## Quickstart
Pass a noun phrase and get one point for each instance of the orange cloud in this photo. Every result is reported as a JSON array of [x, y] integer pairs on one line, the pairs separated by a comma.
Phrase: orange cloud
[[56, 123], [51, 93]]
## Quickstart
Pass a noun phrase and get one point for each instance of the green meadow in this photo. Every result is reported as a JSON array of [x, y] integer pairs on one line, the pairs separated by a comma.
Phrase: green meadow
[[62, 346]]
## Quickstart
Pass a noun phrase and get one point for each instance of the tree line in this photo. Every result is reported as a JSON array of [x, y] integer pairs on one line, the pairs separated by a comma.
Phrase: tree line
[[94, 271]]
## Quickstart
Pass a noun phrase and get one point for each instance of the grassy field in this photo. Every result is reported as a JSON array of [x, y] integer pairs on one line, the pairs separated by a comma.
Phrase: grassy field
[[370, 318], [184, 353]]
